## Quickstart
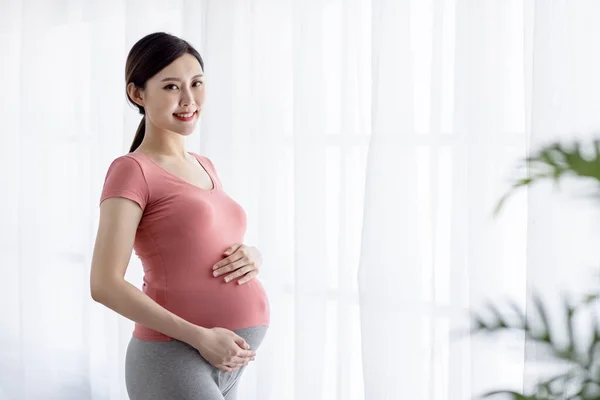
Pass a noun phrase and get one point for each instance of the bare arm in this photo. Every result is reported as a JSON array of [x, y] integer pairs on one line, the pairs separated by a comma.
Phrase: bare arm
[[119, 219]]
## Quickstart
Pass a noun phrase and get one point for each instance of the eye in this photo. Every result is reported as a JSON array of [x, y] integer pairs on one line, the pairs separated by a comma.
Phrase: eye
[[195, 84]]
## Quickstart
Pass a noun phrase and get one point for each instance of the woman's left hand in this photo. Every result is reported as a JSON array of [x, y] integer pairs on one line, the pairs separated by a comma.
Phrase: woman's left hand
[[243, 261]]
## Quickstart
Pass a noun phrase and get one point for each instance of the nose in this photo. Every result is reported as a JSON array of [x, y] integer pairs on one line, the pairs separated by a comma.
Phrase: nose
[[186, 99]]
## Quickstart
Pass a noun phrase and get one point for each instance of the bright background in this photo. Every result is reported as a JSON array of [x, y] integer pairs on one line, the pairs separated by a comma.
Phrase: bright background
[[368, 140]]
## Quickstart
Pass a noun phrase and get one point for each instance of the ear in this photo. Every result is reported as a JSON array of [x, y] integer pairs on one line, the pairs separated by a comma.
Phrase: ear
[[136, 94]]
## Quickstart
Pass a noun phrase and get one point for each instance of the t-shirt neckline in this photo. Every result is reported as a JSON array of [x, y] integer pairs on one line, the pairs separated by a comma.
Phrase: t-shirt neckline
[[212, 180]]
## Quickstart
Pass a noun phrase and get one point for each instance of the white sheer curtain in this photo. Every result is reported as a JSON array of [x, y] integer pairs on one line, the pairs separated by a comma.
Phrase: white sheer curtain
[[368, 141], [448, 124], [462, 91]]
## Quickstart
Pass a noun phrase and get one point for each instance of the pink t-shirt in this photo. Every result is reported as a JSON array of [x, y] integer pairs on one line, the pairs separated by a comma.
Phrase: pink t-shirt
[[183, 232]]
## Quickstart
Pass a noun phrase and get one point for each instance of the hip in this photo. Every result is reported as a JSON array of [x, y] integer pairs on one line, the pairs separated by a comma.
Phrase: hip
[[158, 370]]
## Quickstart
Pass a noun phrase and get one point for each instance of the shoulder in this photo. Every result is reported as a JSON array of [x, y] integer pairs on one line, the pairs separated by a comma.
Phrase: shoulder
[[200, 156], [126, 163], [125, 178], [204, 159], [130, 159], [126, 168]]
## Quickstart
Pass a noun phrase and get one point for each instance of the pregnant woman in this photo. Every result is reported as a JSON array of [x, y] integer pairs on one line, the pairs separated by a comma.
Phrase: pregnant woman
[[201, 313]]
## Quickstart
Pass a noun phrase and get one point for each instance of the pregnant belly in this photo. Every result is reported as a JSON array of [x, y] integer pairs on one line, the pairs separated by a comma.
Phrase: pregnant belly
[[213, 303]]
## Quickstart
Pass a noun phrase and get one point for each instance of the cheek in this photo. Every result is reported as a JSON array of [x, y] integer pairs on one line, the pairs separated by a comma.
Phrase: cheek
[[161, 107], [158, 114], [200, 97]]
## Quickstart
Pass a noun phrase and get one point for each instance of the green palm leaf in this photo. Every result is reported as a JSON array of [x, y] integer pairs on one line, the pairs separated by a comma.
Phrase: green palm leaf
[[555, 161], [513, 395], [581, 380]]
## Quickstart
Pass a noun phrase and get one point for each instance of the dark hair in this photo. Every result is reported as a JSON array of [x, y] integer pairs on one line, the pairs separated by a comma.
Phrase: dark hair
[[146, 58]]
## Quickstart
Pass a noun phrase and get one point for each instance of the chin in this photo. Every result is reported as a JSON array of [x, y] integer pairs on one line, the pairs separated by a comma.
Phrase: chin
[[181, 130], [186, 132]]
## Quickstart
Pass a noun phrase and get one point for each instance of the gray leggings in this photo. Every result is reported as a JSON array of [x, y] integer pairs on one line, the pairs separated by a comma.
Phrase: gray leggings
[[176, 370]]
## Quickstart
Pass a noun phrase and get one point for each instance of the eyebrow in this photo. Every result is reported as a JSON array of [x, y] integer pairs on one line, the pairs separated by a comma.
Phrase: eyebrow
[[177, 79]]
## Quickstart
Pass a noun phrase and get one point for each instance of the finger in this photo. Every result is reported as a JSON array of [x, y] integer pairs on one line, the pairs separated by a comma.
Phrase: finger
[[241, 342], [232, 249], [239, 272], [233, 365], [249, 276], [231, 267], [237, 361], [247, 354], [223, 265], [226, 368], [241, 251], [228, 260]]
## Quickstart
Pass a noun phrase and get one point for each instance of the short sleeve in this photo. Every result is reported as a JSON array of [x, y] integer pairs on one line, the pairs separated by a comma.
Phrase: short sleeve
[[125, 178]]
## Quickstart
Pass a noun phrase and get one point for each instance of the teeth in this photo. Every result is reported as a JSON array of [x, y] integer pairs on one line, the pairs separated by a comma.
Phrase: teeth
[[185, 115]]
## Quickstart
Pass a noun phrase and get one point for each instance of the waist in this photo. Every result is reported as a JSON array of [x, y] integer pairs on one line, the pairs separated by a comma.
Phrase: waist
[[211, 303]]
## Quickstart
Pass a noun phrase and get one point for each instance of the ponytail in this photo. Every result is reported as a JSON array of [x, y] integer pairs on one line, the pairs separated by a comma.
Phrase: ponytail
[[139, 135]]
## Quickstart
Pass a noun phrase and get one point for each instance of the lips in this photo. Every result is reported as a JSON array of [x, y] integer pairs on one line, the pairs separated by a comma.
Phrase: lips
[[185, 116]]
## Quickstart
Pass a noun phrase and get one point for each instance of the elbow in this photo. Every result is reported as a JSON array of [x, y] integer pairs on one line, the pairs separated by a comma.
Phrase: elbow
[[97, 293], [99, 290]]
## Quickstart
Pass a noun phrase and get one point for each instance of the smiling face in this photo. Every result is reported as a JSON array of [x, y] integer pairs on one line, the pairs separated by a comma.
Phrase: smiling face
[[173, 98]]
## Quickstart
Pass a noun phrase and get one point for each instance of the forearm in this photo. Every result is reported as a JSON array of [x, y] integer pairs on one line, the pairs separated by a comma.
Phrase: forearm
[[127, 300]]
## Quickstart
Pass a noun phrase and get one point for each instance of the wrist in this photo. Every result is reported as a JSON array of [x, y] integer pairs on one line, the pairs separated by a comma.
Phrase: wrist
[[194, 334]]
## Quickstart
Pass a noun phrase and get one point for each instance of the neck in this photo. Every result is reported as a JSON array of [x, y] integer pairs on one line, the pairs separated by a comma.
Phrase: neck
[[163, 143]]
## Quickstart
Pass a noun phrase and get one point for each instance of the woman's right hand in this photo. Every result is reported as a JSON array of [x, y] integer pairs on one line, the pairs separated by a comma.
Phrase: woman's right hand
[[224, 349]]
